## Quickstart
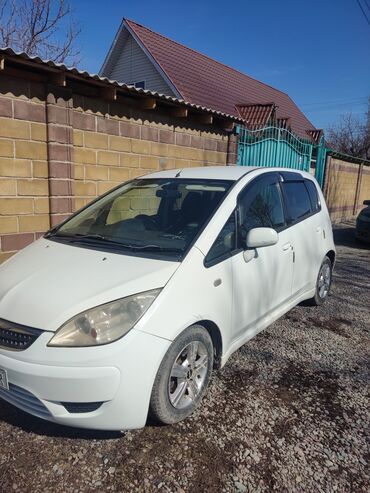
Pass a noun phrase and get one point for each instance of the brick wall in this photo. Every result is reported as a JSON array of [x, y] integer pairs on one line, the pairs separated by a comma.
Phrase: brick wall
[[114, 143], [60, 148], [24, 189], [347, 185]]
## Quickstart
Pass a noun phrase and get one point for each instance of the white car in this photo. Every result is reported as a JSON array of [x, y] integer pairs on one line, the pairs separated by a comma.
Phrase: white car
[[126, 307]]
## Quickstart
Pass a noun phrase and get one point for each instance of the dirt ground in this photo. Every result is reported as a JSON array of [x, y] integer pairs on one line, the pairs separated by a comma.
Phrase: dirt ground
[[288, 413]]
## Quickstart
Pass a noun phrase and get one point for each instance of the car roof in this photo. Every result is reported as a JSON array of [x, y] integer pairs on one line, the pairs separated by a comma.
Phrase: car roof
[[205, 172], [232, 173]]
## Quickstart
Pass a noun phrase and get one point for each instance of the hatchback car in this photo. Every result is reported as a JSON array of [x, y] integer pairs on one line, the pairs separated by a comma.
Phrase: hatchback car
[[363, 223], [126, 307]]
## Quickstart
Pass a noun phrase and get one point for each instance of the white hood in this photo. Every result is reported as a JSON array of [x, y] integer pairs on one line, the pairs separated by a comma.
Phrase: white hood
[[47, 283]]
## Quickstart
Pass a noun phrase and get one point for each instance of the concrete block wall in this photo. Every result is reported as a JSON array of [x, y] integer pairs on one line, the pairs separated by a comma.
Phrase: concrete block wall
[[347, 185], [114, 143], [24, 188], [364, 186]]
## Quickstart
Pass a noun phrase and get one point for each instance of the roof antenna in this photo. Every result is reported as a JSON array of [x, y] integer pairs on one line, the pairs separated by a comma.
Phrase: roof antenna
[[178, 174]]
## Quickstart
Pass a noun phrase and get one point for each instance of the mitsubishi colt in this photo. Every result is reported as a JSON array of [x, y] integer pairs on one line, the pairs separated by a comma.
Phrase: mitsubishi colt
[[126, 308]]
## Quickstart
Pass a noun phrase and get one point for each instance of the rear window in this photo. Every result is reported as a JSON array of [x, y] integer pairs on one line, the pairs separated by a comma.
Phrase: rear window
[[297, 200], [314, 196]]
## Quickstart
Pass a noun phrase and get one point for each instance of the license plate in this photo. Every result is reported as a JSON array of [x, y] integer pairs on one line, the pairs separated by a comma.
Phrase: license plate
[[3, 380]]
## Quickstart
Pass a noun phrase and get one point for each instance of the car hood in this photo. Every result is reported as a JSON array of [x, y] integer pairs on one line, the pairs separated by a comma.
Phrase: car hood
[[47, 283]]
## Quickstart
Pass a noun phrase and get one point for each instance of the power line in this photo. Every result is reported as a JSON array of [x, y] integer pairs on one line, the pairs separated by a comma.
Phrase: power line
[[363, 11]]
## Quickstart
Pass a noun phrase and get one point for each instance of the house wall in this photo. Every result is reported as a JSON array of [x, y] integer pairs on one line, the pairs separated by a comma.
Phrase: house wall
[[59, 150], [133, 65], [347, 185]]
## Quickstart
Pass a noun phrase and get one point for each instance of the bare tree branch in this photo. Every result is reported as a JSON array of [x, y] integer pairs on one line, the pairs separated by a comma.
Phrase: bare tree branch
[[351, 135], [40, 27]]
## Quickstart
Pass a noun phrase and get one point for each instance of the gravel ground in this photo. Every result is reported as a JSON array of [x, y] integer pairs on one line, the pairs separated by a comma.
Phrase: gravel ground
[[288, 413]]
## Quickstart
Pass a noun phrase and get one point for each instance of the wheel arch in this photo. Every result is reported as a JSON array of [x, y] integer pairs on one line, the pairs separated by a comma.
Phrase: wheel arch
[[331, 254], [216, 337]]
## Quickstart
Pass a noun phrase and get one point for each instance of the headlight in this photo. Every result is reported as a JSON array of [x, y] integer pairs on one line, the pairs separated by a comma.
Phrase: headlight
[[105, 323]]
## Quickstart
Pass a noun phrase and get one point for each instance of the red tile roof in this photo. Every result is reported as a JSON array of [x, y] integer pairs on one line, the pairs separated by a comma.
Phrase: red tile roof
[[256, 115], [316, 134], [204, 81]]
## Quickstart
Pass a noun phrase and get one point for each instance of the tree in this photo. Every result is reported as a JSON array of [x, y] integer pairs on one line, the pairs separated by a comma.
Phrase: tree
[[40, 27], [351, 135]]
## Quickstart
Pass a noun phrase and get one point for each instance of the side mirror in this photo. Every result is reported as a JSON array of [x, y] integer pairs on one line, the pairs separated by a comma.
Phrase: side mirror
[[366, 202], [261, 237]]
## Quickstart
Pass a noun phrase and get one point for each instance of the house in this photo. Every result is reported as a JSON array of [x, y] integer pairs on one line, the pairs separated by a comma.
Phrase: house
[[146, 59]]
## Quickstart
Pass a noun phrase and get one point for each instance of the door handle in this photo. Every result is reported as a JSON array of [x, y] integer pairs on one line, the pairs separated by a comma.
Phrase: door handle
[[287, 246], [318, 229]]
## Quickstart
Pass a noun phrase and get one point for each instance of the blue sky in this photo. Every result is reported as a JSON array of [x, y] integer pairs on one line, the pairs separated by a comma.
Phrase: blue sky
[[316, 51]]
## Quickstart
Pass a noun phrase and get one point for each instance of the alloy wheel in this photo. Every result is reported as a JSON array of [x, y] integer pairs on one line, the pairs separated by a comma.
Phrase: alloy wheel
[[324, 280], [188, 375]]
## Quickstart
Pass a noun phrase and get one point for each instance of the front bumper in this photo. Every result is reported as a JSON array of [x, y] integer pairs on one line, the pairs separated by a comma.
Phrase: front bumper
[[119, 377]]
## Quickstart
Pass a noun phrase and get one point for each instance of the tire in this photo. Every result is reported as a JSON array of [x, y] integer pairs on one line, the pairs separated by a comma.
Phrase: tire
[[182, 379], [323, 283]]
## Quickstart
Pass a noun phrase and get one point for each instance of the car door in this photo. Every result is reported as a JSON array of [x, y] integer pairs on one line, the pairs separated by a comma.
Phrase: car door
[[306, 233], [319, 227], [262, 277]]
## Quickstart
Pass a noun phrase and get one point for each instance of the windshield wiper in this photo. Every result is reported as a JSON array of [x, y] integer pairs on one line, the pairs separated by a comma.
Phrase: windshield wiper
[[154, 247], [79, 236], [104, 239]]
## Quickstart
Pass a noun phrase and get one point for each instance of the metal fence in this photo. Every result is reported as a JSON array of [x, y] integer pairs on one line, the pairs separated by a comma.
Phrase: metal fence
[[278, 147]]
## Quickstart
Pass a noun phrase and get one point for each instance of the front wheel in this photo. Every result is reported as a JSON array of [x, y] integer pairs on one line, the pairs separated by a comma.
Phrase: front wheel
[[183, 376], [323, 283]]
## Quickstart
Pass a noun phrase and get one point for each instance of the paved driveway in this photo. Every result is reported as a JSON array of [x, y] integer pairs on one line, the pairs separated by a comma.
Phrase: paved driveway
[[289, 412]]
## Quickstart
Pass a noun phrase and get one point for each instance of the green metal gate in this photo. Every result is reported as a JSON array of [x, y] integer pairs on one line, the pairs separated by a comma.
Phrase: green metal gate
[[278, 147]]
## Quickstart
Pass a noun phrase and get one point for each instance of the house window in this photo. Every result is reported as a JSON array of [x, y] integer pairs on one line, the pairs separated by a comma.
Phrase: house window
[[140, 84]]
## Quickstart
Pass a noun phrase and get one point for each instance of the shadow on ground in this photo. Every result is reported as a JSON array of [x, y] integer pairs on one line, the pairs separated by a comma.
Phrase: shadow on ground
[[345, 236], [31, 424]]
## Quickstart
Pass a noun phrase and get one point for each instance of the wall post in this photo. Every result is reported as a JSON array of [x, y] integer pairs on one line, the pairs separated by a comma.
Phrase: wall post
[[59, 105], [358, 188]]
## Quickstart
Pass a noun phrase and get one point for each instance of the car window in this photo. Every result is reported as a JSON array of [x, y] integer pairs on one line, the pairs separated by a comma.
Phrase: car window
[[225, 241], [261, 205], [297, 200], [147, 215], [314, 196]]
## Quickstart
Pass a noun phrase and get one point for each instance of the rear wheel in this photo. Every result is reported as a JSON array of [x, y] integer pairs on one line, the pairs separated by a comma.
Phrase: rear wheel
[[323, 283], [183, 376]]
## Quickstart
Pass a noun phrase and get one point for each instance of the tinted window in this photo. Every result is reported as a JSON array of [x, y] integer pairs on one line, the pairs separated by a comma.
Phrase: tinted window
[[260, 205], [225, 241], [297, 200], [314, 196]]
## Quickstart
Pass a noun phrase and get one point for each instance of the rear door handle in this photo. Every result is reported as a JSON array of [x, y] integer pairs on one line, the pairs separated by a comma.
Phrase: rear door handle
[[318, 229], [287, 246]]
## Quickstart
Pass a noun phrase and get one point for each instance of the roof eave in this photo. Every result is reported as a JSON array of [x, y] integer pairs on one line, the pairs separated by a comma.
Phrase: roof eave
[[62, 73]]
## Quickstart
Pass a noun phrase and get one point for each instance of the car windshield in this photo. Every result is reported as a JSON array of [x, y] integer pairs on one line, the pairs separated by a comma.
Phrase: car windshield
[[146, 216]]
